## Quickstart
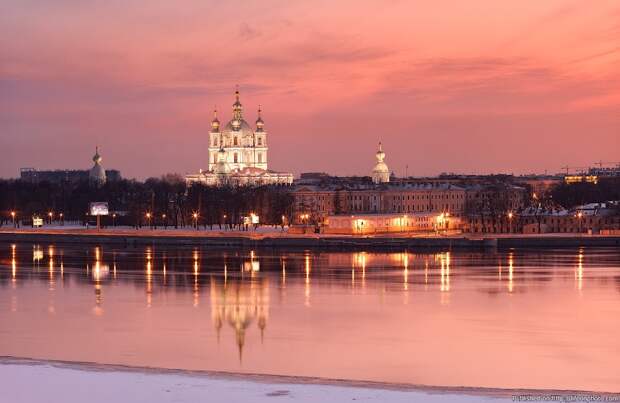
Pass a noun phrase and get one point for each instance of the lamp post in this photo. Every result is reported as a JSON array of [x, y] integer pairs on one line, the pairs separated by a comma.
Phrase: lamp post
[[148, 218], [579, 216], [510, 215], [50, 215], [163, 218], [13, 218], [62, 219], [224, 220], [195, 216], [114, 219]]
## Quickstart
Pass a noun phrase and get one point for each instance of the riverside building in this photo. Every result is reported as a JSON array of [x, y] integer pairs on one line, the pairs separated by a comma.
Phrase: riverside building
[[375, 204]]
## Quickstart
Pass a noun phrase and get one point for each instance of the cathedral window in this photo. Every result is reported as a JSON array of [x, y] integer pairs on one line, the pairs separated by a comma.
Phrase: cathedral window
[[260, 158], [235, 155], [235, 142], [260, 141]]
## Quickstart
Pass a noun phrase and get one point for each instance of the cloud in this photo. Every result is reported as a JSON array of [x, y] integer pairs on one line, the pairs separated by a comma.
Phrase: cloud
[[246, 32]]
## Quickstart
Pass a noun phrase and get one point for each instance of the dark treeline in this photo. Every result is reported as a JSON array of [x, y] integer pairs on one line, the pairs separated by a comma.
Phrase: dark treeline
[[156, 201], [571, 195]]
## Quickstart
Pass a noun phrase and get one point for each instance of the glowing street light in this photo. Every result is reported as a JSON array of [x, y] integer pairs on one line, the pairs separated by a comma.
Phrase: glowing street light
[[13, 214], [51, 216], [510, 215], [579, 216], [195, 216], [148, 217], [114, 219]]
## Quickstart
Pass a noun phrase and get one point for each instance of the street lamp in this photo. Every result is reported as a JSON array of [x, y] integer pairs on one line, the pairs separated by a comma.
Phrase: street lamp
[[148, 217], [195, 215], [50, 215], [579, 216], [114, 219], [510, 215], [13, 218], [440, 224], [62, 220]]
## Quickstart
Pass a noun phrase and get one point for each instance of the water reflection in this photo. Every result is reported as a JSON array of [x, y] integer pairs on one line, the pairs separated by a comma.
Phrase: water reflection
[[579, 270], [409, 270], [357, 306], [239, 304]]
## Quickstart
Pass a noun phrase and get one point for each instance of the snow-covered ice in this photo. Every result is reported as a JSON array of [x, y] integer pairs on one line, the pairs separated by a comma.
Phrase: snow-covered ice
[[35, 382]]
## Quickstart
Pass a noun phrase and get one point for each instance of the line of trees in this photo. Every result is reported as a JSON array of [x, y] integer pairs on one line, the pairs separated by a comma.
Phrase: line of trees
[[574, 194], [165, 201]]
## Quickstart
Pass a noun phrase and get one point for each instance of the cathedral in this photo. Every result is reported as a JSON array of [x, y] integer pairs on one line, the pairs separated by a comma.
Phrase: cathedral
[[238, 153]]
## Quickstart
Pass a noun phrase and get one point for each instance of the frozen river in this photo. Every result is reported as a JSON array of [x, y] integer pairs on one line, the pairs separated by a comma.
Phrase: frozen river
[[505, 319]]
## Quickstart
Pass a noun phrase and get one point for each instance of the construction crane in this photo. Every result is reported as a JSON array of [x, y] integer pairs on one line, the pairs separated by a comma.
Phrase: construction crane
[[583, 169], [601, 163]]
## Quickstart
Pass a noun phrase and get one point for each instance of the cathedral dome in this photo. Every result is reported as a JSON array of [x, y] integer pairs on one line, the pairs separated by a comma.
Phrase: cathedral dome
[[97, 174], [238, 126], [380, 173]]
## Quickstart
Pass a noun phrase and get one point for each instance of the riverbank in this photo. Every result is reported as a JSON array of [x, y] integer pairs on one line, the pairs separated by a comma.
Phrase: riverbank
[[68, 382], [274, 238]]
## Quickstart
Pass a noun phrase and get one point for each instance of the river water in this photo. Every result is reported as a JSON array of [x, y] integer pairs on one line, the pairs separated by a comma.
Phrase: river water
[[508, 319]]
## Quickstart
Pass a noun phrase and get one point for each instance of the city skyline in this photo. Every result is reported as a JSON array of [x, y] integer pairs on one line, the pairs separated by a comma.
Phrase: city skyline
[[477, 88]]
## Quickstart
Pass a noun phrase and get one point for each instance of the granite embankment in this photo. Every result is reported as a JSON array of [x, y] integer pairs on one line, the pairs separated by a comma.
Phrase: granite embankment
[[283, 240]]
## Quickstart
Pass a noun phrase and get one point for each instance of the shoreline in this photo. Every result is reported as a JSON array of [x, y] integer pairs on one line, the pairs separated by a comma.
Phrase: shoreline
[[282, 380], [131, 237]]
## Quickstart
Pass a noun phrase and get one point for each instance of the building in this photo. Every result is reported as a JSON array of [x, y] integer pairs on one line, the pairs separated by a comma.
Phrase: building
[[238, 154], [373, 208], [380, 173], [361, 224], [72, 176], [593, 218]]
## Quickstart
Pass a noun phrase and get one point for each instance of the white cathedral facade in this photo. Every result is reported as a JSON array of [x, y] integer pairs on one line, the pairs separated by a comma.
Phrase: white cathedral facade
[[238, 154]]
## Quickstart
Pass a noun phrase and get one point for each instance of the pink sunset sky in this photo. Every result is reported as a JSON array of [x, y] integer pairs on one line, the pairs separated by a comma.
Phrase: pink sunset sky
[[448, 86]]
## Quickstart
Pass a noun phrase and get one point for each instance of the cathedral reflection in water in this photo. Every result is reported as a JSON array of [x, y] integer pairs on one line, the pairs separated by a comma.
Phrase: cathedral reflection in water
[[238, 284]]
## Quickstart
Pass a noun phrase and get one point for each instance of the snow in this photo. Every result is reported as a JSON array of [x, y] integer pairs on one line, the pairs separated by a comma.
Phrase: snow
[[27, 381]]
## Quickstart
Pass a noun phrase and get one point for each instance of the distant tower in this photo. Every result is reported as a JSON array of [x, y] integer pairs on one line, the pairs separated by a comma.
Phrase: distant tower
[[380, 173], [96, 176]]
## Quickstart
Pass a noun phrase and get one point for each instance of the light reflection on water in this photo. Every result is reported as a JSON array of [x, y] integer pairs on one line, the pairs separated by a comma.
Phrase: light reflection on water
[[496, 319]]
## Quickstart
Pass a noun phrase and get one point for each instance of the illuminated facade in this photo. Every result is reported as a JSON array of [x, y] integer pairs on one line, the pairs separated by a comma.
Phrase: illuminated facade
[[321, 202], [238, 154], [384, 223]]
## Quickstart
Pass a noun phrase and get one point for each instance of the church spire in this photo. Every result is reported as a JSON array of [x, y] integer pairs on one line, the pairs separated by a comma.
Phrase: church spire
[[237, 108], [259, 120], [97, 157], [215, 123]]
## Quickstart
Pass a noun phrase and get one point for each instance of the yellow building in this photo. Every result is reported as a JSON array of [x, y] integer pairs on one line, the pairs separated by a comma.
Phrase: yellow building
[[360, 224]]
